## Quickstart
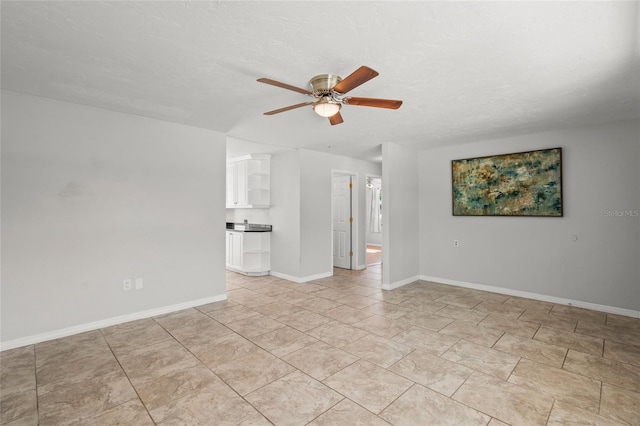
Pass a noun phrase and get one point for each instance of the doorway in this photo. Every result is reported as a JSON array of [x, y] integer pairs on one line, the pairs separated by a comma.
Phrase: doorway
[[342, 219], [374, 221]]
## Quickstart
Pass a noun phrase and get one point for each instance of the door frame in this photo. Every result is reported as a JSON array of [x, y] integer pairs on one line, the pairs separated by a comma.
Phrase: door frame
[[355, 246]]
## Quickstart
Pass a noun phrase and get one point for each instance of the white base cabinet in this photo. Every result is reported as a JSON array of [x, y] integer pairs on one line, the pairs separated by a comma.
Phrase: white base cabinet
[[249, 253]]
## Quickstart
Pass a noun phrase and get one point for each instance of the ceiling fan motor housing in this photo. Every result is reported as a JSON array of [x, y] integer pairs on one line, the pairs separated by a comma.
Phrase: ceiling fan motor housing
[[321, 85]]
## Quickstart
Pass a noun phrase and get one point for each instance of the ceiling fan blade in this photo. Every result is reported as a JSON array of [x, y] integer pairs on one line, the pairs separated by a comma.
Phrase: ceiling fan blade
[[336, 119], [355, 79], [277, 111], [373, 102], [284, 86]]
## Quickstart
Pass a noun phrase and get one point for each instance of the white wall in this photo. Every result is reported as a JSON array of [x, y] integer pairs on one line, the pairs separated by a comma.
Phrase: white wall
[[601, 173], [251, 215], [91, 197], [401, 216], [285, 213]]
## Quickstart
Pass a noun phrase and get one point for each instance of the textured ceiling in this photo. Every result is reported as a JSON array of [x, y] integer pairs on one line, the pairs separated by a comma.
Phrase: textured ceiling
[[465, 70]]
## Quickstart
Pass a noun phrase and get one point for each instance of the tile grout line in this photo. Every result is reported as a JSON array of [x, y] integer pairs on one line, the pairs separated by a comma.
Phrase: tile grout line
[[35, 374], [551, 410], [600, 399], [398, 397], [214, 373], [128, 378]]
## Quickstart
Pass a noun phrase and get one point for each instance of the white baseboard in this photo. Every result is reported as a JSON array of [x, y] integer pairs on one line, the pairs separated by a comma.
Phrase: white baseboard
[[300, 280], [535, 296], [361, 267], [398, 284], [56, 334]]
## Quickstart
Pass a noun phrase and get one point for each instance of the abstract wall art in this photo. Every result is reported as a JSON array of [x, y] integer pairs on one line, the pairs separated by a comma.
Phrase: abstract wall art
[[518, 184]]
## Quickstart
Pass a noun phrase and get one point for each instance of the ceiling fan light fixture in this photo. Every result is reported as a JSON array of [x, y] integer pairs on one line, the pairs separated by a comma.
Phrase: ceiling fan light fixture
[[326, 108]]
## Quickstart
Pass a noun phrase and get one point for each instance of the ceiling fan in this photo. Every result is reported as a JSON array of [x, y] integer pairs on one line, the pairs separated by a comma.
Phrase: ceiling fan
[[329, 92]]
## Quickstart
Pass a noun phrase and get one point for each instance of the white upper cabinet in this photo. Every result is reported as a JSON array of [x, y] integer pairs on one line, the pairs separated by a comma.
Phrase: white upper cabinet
[[249, 182]]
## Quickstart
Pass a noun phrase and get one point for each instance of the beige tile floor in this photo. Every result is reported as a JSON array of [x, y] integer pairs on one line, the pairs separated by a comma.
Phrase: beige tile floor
[[337, 351]]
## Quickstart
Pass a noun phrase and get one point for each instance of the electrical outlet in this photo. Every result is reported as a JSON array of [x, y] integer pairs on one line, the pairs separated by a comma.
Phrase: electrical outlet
[[126, 284], [139, 283], [456, 243]]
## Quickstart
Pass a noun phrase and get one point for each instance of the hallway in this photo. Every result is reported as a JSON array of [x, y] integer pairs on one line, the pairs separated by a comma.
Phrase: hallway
[[374, 255]]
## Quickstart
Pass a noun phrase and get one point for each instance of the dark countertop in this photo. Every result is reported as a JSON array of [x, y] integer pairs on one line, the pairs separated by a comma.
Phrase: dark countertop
[[248, 227]]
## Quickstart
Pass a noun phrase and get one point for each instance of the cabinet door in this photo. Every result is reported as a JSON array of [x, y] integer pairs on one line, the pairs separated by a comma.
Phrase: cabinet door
[[241, 183], [228, 246], [236, 250]]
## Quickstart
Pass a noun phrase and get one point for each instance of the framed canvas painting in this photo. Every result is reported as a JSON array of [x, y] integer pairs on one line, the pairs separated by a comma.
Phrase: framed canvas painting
[[518, 184]]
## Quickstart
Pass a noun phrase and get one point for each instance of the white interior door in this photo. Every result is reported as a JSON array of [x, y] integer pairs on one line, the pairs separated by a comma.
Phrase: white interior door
[[341, 197]]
